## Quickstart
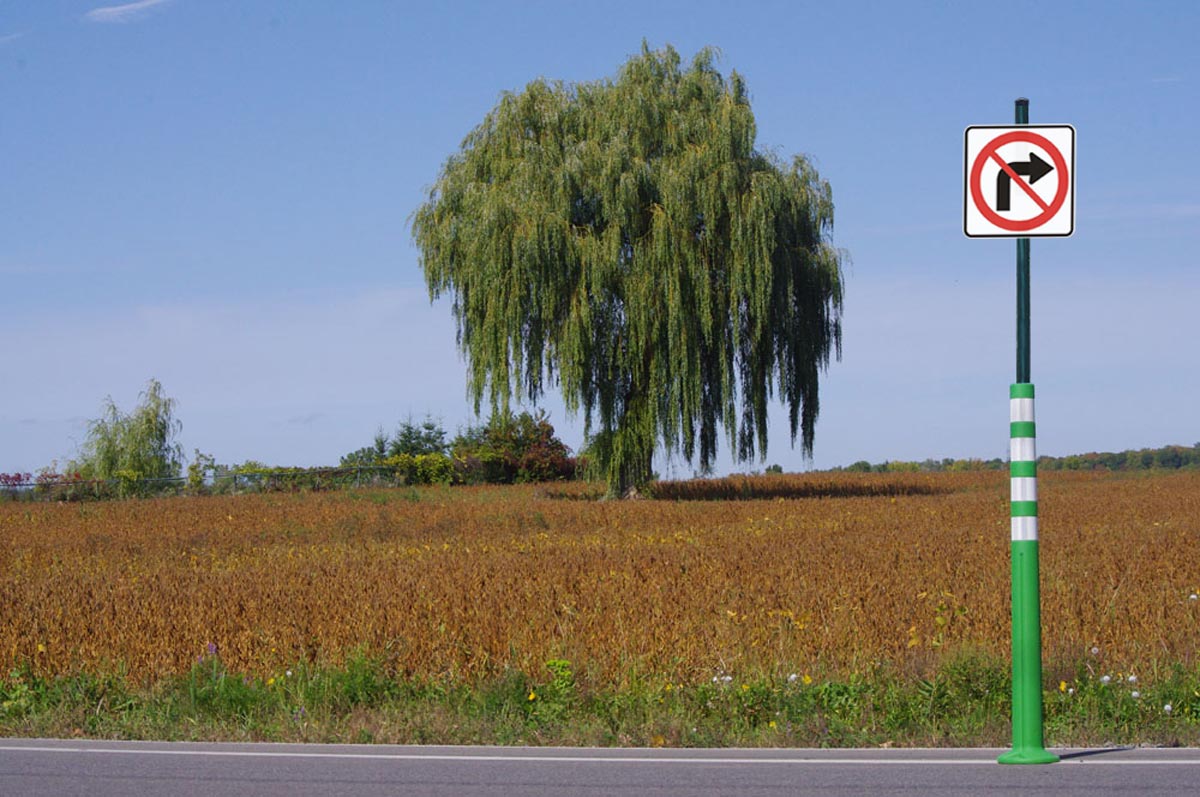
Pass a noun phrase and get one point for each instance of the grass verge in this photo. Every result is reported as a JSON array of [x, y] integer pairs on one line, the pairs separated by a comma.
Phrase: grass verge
[[964, 702]]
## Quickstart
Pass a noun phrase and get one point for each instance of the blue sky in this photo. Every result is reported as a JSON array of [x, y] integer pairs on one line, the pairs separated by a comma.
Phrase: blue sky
[[216, 194]]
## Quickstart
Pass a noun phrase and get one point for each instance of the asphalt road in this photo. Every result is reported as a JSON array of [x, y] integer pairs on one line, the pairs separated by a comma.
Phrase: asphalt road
[[35, 767]]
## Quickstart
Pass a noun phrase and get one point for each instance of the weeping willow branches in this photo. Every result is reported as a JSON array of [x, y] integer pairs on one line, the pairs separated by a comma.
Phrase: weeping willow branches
[[625, 241]]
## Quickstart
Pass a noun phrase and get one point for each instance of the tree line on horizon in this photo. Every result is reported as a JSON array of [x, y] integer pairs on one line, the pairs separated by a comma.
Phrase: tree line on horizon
[[508, 449], [138, 450], [1169, 457], [129, 453]]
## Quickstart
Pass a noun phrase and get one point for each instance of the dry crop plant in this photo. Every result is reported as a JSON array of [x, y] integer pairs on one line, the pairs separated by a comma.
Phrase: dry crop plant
[[868, 570]]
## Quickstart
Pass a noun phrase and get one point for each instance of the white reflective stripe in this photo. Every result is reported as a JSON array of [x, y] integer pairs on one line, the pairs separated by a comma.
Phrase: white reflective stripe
[[1024, 528], [1020, 409], [1023, 449], [1024, 489]]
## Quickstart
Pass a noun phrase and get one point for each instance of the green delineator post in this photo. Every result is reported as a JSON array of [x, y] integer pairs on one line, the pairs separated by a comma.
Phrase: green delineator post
[[1027, 747]]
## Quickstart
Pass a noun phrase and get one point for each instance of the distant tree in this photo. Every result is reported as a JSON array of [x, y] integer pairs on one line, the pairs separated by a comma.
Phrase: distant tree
[[412, 439], [138, 445], [1168, 457], [513, 448], [426, 438], [367, 455], [626, 240], [202, 467]]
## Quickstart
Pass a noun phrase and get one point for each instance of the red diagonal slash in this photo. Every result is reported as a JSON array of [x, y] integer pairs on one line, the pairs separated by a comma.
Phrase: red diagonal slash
[[1026, 187]]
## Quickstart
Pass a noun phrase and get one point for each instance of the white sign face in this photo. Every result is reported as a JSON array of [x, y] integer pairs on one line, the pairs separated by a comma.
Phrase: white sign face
[[1019, 182]]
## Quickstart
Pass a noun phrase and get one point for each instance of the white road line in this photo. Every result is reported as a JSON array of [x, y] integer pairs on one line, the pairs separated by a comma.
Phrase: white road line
[[519, 758]]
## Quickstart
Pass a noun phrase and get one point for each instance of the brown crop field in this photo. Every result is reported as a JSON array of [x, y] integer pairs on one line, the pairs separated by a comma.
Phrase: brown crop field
[[828, 575]]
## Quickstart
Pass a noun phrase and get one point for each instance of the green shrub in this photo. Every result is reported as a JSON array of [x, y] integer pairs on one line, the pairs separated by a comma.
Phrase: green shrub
[[513, 449], [421, 468]]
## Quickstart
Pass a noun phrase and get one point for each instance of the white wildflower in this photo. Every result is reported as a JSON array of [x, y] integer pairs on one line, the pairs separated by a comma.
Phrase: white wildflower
[[1167, 708], [1105, 679], [1135, 694]]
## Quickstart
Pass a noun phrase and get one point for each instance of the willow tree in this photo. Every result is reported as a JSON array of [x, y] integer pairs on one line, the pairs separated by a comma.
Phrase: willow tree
[[137, 445], [624, 240]]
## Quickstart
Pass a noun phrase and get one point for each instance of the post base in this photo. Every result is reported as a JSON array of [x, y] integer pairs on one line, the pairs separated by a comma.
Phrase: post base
[[1028, 755]]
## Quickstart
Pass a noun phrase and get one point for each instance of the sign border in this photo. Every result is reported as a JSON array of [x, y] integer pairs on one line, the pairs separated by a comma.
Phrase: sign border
[[967, 182], [1050, 211]]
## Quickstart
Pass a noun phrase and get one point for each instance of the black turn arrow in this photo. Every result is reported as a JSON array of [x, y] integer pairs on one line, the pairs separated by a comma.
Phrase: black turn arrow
[[1035, 169]]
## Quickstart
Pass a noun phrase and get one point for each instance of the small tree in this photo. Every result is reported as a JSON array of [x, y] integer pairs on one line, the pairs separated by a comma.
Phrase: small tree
[[427, 438], [411, 439], [368, 455], [520, 448], [138, 445], [202, 466]]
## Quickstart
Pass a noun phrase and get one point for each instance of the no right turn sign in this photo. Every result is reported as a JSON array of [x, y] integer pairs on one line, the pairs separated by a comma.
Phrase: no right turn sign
[[1019, 181]]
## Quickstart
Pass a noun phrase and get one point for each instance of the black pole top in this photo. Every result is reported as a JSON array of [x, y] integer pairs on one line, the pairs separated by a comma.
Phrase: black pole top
[[1023, 101]]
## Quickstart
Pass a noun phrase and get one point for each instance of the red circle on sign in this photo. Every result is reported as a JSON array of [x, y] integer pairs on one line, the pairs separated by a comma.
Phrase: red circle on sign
[[1016, 225]]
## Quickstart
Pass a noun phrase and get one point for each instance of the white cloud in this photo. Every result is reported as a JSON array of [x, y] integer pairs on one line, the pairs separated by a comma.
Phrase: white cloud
[[10, 37], [122, 13]]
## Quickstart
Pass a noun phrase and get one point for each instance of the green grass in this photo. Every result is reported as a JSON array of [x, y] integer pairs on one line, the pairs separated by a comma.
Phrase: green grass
[[964, 702]]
